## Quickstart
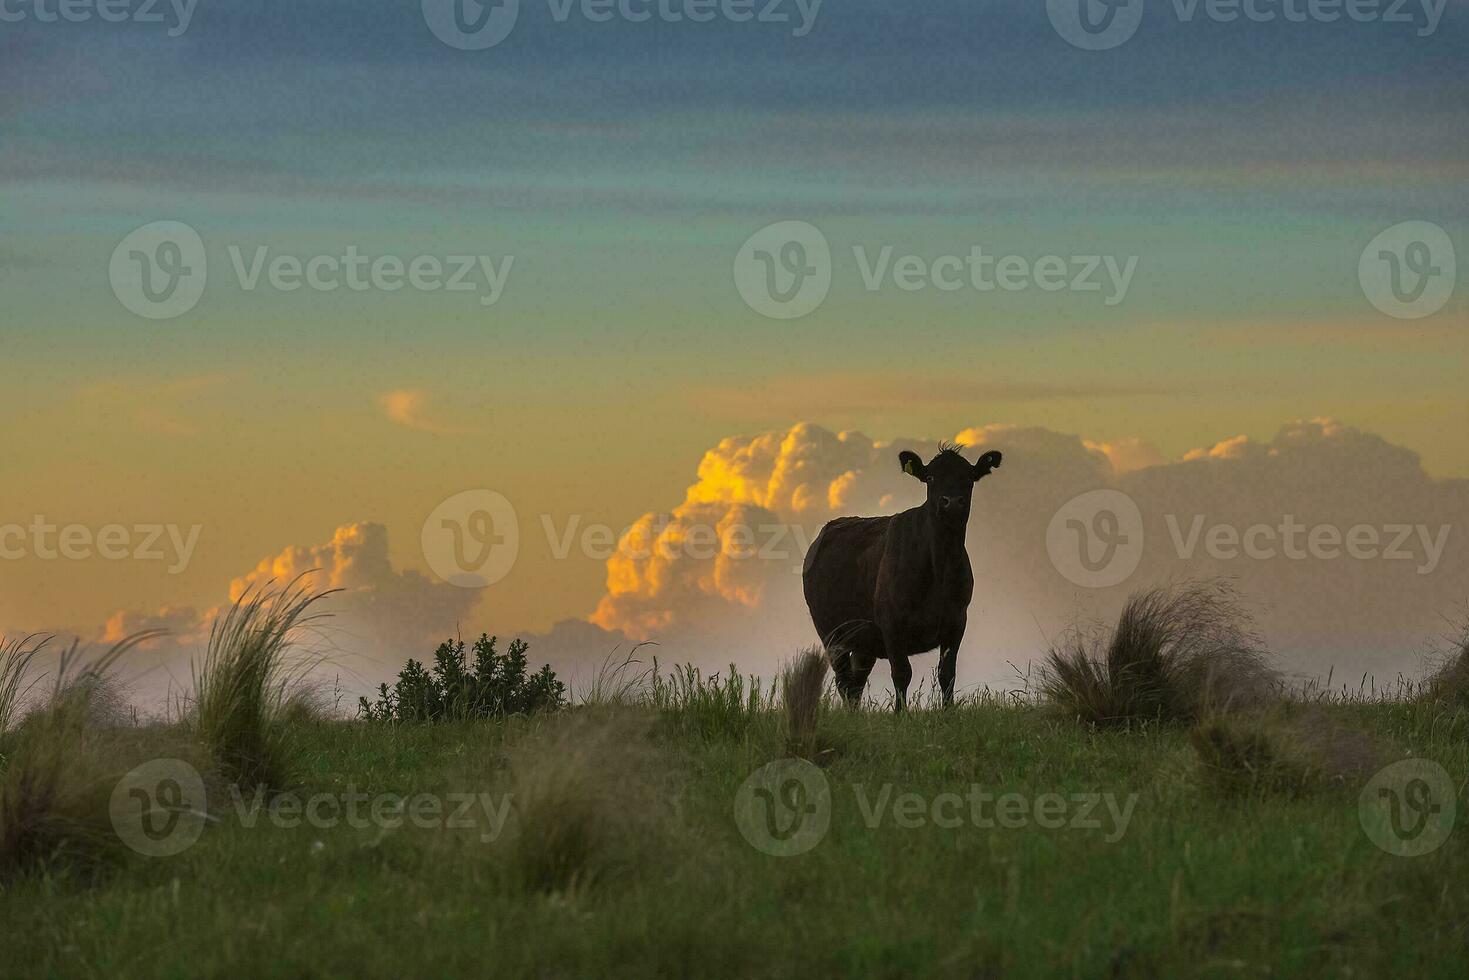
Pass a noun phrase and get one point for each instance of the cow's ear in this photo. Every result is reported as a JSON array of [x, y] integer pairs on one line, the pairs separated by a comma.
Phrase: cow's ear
[[913, 465], [989, 461]]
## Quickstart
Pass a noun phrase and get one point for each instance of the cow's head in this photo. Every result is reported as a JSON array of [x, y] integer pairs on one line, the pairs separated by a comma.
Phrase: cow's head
[[950, 478]]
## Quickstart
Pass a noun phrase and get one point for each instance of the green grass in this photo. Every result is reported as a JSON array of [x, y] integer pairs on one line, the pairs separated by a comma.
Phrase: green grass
[[622, 857], [250, 688]]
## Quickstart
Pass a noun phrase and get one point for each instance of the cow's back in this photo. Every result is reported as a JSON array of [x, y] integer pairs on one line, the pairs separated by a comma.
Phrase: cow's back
[[839, 576]]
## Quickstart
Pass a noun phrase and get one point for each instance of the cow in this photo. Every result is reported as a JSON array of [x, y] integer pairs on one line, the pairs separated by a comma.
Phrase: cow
[[893, 587]]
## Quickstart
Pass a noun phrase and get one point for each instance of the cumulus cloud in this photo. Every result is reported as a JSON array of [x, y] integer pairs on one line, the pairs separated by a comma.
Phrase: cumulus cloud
[[1352, 556], [1367, 607], [376, 618], [756, 506], [378, 612], [1234, 448], [1127, 455], [583, 653]]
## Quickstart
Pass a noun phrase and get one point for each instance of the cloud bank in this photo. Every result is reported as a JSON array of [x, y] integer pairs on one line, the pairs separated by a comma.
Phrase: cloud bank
[[377, 617], [1352, 557]]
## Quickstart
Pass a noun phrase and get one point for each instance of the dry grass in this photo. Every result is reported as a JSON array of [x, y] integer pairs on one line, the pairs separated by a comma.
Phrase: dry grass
[[1450, 683], [16, 657], [248, 688], [57, 781], [620, 680], [1275, 754], [803, 690], [1177, 653], [585, 802]]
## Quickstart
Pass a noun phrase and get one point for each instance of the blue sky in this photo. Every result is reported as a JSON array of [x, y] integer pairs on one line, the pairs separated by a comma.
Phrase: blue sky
[[623, 165]]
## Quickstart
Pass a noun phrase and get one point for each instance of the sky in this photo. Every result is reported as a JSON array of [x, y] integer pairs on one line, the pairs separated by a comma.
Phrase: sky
[[605, 177]]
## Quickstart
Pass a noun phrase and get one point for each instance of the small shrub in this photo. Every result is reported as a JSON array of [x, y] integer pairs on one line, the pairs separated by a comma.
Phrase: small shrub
[[491, 685], [1176, 653], [247, 684]]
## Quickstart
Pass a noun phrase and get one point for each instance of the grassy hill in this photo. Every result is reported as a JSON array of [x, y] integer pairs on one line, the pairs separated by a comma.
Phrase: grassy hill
[[624, 850]]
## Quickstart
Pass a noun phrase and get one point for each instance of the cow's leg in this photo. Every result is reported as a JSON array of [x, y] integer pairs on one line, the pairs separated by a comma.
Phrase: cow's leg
[[902, 675], [948, 662]]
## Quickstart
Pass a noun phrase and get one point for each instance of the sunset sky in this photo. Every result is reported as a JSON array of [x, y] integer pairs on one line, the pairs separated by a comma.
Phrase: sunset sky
[[623, 165]]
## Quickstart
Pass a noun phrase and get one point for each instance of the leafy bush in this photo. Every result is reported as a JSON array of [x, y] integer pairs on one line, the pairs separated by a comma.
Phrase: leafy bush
[[491, 685]]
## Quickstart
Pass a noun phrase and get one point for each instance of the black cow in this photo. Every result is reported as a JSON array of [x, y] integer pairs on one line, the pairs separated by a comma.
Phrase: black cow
[[892, 587]]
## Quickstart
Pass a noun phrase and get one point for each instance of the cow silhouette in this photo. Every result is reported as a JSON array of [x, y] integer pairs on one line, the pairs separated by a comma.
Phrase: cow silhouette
[[893, 587]]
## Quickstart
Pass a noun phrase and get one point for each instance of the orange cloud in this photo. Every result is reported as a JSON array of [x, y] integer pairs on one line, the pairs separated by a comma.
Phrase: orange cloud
[[1200, 518], [1129, 454], [409, 407], [380, 617]]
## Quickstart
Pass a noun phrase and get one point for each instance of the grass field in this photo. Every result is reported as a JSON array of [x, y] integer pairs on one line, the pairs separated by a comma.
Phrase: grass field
[[622, 855]]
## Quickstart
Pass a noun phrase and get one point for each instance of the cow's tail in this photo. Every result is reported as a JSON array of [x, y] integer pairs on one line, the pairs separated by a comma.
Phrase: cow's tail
[[841, 668], [839, 655]]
